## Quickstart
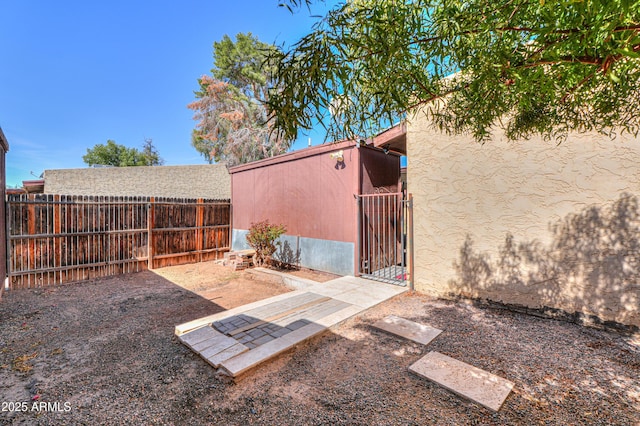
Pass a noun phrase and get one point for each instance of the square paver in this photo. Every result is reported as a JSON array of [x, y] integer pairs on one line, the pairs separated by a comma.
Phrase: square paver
[[256, 333], [411, 330], [463, 379], [245, 339], [280, 332], [297, 324], [262, 340]]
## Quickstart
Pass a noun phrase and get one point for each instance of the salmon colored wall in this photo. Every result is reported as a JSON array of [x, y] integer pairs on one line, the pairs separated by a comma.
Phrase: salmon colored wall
[[303, 190], [380, 172]]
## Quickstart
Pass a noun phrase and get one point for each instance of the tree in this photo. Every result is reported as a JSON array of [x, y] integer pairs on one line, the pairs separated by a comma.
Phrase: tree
[[113, 154], [230, 105], [527, 66], [150, 153]]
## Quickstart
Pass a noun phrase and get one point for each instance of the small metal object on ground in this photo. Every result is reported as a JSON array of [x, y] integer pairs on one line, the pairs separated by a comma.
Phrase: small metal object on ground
[[463, 379]]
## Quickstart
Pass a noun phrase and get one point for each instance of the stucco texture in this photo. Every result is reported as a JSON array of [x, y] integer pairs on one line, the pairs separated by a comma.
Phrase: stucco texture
[[210, 181], [530, 223]]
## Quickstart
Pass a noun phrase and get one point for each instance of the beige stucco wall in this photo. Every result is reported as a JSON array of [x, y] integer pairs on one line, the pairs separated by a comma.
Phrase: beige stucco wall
[[464, 189], [211, 181]]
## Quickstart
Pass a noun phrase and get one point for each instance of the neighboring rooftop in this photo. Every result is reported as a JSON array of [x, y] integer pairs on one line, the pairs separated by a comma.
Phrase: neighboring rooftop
[[211, 181]]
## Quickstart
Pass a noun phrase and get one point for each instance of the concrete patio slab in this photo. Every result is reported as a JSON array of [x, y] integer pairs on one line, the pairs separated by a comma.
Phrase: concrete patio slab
[[463, 379], [289, 280], [411, 330], [277, 324]]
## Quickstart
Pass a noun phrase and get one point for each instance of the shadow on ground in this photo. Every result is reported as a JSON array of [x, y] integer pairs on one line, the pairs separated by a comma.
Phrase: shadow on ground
[[107, 347]]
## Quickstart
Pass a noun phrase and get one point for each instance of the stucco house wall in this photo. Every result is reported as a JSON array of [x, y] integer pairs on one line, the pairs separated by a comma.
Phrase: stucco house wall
[[530, 223], [211, 181]]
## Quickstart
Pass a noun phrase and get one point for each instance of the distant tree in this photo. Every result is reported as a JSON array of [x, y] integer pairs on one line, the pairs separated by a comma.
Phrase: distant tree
[[113, 154], [151, 154], [230, 105]]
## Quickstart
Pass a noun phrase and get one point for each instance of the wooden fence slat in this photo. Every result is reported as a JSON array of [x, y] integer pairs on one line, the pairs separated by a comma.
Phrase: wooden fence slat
[[150, 224]]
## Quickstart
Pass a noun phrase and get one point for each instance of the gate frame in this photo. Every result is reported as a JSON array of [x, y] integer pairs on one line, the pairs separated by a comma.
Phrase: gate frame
[[405, 223]]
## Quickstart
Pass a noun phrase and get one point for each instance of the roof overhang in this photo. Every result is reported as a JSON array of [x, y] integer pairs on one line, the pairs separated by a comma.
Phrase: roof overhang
[[33, 186], [393, 139], [3, 141]]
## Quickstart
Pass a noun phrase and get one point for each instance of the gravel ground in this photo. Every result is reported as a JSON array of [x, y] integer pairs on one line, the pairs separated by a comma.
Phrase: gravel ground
[[103, 352]]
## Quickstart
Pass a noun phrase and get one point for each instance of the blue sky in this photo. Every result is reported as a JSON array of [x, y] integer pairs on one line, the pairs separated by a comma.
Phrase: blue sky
[[76, 73]]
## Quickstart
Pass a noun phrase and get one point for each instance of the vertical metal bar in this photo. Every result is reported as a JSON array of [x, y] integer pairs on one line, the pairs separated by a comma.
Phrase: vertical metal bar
[[7, 242], [385, 238], [410, 242], [383, 227], [359, 236], [378, 220], [403, 206], [364, 229], [366, 215], [395, 235], [397, 218], [370, 244]]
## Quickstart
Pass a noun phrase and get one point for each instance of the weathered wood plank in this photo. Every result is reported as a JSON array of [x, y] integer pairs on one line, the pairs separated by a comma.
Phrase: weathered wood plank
[[218, 358]]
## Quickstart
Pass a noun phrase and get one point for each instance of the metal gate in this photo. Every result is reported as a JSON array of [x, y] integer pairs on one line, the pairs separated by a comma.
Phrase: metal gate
[[385, 250]]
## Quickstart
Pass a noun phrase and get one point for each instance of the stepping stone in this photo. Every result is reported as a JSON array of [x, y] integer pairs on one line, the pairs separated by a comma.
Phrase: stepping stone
[[463, 379], [408, 329]]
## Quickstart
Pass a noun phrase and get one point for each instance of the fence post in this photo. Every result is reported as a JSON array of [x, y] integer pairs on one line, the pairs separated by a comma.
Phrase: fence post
[[358, 260], [9, 244], [150, 225], [31, 264], [199, 228], [410, 242], [57, 241]]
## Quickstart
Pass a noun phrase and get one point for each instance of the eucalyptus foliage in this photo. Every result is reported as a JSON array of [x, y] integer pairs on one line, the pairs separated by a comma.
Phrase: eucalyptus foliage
[[528, 66]]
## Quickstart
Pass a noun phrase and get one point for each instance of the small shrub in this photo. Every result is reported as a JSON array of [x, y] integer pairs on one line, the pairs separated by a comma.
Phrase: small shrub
[[262, 238]]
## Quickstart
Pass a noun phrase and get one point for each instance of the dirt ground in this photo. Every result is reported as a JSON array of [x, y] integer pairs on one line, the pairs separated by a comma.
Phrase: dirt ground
[[104, 352]]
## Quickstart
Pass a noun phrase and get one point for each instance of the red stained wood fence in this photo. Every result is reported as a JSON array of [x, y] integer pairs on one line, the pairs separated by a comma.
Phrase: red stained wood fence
[[55, 239]]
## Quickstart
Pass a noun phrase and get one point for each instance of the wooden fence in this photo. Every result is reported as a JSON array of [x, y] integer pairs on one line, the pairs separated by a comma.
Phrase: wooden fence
[[55, 239]]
